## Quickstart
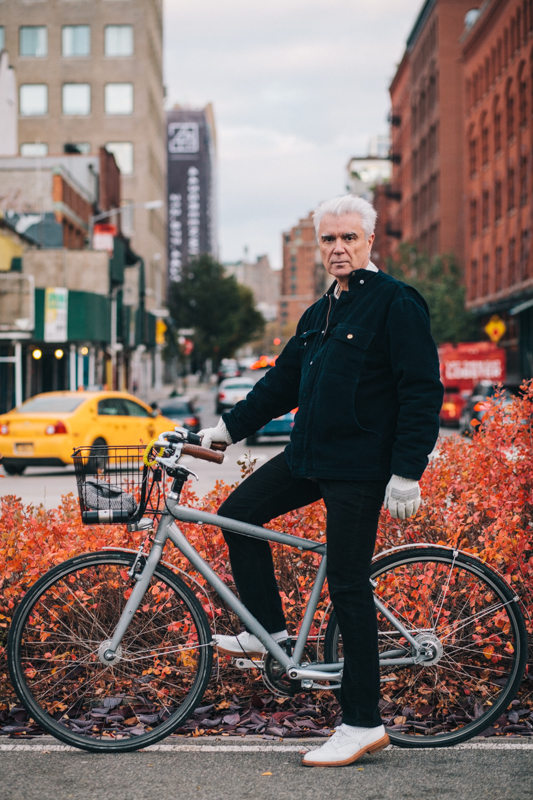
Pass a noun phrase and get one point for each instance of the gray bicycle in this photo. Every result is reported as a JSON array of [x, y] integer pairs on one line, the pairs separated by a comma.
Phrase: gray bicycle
[[111, 651]]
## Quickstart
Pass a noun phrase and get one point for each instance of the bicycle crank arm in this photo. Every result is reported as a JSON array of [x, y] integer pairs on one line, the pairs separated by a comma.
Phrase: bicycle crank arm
[[313, 675], [247, 663]]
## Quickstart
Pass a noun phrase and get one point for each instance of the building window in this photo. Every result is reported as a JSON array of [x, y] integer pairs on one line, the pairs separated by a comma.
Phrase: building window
[[34, 149], [510, 116], [76, 40], [531, 78], [511, 262], [485, 210], [118, 40], [123, 152], [485, 275], [76, 99], [473, 278], [33, 41], [472, 157], [497, 201], [485, 146], [522, 102], [511, 201], [118, 98], [497, 131], [83, 148], [524, 254], [33, 99], [498, 268], [523, 181], [473, 218], [2, 37]]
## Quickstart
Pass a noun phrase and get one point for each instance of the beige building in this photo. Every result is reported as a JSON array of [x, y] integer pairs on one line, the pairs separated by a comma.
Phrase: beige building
[[262, 280], [90, 74]]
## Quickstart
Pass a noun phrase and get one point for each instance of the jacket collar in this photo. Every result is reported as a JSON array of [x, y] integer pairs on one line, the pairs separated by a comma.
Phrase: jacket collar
[[357, 277]]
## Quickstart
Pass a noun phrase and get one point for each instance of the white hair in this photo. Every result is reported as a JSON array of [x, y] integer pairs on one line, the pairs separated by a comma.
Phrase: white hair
[[348, 204]]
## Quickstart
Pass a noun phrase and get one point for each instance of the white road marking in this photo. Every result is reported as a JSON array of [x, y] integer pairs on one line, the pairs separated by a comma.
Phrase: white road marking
[[265, 748]]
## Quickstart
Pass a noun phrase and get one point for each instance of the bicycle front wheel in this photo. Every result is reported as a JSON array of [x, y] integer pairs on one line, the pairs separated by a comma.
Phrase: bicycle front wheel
[[470, 621], [58, 637]]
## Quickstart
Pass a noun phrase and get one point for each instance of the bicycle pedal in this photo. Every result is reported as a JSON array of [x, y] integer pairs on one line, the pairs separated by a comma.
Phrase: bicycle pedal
[[247, 663]]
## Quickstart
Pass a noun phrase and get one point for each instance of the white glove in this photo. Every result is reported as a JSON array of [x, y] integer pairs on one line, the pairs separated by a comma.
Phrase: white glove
[[402, 497], [219, 435]]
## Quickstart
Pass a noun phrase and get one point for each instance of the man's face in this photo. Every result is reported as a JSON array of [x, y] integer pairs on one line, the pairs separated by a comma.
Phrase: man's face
[[343, 246]]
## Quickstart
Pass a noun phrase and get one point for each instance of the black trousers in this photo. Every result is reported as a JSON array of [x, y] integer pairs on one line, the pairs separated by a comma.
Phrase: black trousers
[[352, 518]]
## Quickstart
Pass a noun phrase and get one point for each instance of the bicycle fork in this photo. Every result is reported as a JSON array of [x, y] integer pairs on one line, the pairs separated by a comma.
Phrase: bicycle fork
[[110, 650]]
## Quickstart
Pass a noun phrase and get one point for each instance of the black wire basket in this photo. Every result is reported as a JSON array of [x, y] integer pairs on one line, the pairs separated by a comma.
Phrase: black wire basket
[[114, 484]]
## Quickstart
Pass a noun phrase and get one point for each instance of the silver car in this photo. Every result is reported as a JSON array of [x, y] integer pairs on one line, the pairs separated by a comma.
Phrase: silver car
[[230, 391]]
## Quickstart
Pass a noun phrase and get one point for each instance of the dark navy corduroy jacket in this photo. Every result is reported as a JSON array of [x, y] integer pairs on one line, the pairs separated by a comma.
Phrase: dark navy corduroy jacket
[[364, 373]]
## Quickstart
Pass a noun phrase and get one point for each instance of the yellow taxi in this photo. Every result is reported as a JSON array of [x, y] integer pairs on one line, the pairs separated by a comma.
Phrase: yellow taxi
[[43, 431]]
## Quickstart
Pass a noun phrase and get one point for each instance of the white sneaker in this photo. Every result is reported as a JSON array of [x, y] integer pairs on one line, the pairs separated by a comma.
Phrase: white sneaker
[[347, 744], [245, 644]]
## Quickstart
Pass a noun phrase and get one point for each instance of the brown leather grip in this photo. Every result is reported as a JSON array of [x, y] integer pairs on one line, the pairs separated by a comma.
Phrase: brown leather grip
[[218, 446], [202, 452]]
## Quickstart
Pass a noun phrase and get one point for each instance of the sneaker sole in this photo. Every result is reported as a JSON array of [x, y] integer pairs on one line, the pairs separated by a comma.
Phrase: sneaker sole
[[375, 747], [240, 653]]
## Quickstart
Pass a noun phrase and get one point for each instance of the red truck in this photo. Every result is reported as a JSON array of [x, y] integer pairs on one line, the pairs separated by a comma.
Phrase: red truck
[[462, 367]]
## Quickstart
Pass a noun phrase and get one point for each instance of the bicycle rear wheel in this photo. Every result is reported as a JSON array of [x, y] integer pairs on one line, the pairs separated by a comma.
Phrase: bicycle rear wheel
[[59, 629], [470, 619]]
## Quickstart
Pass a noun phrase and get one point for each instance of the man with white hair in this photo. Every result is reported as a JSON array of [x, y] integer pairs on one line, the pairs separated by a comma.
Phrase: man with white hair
[[363, 370]]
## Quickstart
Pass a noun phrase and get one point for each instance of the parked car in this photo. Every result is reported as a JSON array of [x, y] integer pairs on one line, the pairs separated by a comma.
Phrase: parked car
[[43, 431], [231, 391], [229, 368], [181, 411], [475, 406], [281, 426]]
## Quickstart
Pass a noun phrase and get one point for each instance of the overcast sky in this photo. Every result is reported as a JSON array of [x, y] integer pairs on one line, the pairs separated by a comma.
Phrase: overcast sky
[[298, 87]]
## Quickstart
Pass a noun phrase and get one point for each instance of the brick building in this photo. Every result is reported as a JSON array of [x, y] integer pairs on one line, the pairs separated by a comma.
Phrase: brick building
[[427, 132], [303, 278], [498, 140], [91, 74]]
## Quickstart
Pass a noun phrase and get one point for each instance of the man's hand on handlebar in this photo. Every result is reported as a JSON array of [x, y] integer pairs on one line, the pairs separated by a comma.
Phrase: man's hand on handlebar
[[217, 435]]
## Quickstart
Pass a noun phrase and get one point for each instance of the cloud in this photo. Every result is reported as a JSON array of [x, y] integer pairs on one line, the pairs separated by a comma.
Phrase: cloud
[[298, 86]]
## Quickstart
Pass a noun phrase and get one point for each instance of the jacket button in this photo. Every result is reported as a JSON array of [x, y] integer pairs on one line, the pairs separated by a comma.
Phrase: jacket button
[[361, 281], [350, 336], [310, 363]]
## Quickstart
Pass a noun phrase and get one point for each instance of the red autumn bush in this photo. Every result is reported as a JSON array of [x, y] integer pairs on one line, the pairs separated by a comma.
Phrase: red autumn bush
[[478, 496]]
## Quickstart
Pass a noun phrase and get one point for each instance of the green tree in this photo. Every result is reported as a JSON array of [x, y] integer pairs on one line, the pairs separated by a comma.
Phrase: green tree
[[221, 311], [438, 279]]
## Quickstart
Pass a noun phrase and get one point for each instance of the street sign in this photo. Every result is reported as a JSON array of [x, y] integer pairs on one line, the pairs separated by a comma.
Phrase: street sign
[[55, 314], [495, 328]]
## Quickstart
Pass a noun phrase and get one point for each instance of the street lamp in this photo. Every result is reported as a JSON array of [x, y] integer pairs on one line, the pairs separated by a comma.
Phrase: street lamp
[[150, 205]]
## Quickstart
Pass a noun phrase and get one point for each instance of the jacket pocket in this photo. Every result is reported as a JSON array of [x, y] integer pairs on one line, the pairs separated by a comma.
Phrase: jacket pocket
[[347, 350], [307, 337]]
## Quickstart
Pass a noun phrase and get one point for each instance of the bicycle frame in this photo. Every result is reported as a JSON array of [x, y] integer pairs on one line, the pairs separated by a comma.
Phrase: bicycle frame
[[168, 529]]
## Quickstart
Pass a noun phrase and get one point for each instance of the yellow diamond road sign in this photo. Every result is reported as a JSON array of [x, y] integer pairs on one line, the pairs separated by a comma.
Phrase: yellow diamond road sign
[[495, 328]]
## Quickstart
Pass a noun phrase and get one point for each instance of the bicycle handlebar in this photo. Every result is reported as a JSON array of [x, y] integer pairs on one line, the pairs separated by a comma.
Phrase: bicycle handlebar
[[203, 453], [191, 446]]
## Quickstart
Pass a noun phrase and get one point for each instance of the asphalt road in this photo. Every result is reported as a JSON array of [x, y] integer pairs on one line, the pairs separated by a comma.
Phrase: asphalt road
[[475, 771], [46, 485]]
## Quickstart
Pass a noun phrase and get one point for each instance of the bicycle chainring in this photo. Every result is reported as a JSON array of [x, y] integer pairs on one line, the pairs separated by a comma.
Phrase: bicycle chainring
[[277, 680]]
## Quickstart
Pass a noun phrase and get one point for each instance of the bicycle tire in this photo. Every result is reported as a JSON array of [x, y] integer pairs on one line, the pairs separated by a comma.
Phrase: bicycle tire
[[471, 614], [161, 676]]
